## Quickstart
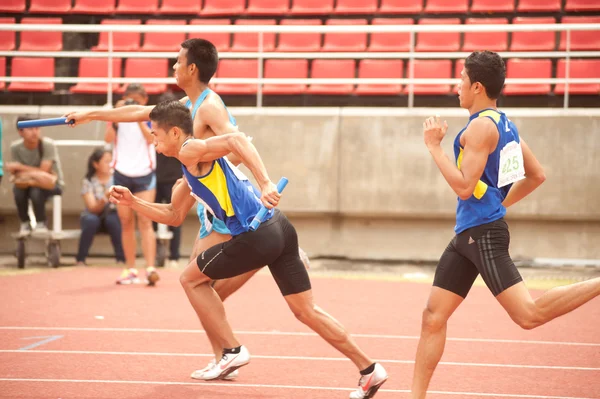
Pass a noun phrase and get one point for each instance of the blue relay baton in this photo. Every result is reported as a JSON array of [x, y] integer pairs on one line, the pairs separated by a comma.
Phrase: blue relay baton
[[43, 123], [258, 219]]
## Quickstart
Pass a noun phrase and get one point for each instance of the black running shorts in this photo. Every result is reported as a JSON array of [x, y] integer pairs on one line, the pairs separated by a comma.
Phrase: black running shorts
[[478, 250], [274, 243]]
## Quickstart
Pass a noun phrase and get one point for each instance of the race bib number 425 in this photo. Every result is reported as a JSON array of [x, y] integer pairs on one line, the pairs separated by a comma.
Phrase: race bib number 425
[[511, 164]]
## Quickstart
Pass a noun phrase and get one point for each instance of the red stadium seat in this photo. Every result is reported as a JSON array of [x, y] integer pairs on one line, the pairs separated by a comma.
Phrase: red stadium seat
[[180, 7], [438, 41], [534, 40], [147, 68], [446, 6], [458, 67], [41, 41], [393, 69], [163, 41], [581, 40], [32, 67], [491, 6], [94, 7], [430, 69], [345, 41], [122, 41], [237, 69], [249, 41], [299, 41], [221, 40], [539, 6], [579, 69], [223, 7], [315, 7], [528, 69], [355, 7], [268, 7], [7, 38], [2, 71], [285, 69], [50, 6], [390, 41], [137, 7], [328, 69], [582, 5], [401, 6], [96, 68], [12, 6], [493, 41]]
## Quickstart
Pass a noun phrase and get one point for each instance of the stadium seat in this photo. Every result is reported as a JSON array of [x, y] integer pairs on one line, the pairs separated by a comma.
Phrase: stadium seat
[[401, 6], [147, 68], [12, 6], [249, 41], [163, 41], [122, 41], [534, 40], [579, 69], [137, 7], [539, 6], [268, 7], [2, 71], [285, 69], [299, 41], [393, 69], [493, 41], [345, 41], [438, 41], [491, 6], [32, 67], [390, 41], [446, 6], [180, 7], [41, 41], [328, 69], [96, 68], [223, 7], [316, 7], [50, 6], [7, 38], [582, 5], [430, 69], [355, 7], [458, 67], [221, 40], [94, 7], [237, 69], [517, 68], [581, 39]]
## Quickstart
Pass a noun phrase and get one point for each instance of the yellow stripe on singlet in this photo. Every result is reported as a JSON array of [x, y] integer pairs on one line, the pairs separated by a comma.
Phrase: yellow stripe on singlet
[[480, 187], [216, 182], [492, 114]]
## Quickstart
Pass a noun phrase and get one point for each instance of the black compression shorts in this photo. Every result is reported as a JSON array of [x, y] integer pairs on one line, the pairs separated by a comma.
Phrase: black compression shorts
[[274, 243], [478, 250]]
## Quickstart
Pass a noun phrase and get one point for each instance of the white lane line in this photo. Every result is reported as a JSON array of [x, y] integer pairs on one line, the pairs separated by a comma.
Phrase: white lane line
[[311, 358], [299, 334], [229, 385]]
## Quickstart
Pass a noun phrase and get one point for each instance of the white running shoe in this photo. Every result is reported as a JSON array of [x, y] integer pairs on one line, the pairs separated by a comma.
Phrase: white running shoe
[[199, 374], [370, 383], [229, 363]]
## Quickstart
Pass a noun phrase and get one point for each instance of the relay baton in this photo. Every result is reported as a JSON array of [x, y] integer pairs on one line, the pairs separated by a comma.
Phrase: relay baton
[[43, 123], [263, 211]]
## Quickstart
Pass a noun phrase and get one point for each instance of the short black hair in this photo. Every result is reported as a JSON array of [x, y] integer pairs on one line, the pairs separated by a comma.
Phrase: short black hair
[[204, 55], [135, 88], [23, 118], [487, 68], [169, 114]]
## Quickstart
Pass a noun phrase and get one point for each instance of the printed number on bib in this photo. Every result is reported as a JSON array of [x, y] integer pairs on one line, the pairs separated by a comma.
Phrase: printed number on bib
[[511, 164]]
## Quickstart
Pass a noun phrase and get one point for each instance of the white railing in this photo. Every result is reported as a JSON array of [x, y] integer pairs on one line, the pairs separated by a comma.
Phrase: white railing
[[261, 55]]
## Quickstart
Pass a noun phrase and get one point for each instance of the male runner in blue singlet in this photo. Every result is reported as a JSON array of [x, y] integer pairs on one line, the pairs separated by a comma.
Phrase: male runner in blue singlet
[[494, 169]]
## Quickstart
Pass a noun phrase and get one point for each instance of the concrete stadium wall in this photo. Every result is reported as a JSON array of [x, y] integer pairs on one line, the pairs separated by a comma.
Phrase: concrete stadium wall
[[362, 184]]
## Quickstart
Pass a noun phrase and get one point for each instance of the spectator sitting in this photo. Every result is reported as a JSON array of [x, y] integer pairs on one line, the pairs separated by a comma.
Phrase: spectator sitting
[[99, 213]]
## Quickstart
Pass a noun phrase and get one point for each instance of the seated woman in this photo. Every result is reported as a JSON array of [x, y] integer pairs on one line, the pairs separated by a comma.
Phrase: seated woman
[[99, 213]]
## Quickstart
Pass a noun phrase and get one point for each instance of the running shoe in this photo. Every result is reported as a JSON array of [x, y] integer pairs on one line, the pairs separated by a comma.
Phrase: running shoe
[[128, 276], [229, 363], [370, 383], [199, 374]]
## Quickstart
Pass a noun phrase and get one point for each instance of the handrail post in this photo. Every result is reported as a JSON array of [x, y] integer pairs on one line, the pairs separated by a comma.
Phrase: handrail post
[[259, 94], [411, 71], [109, 94], [567, 70]]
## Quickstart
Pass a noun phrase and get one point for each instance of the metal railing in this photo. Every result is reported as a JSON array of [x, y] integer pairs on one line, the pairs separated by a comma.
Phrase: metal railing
[[261, 55]]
